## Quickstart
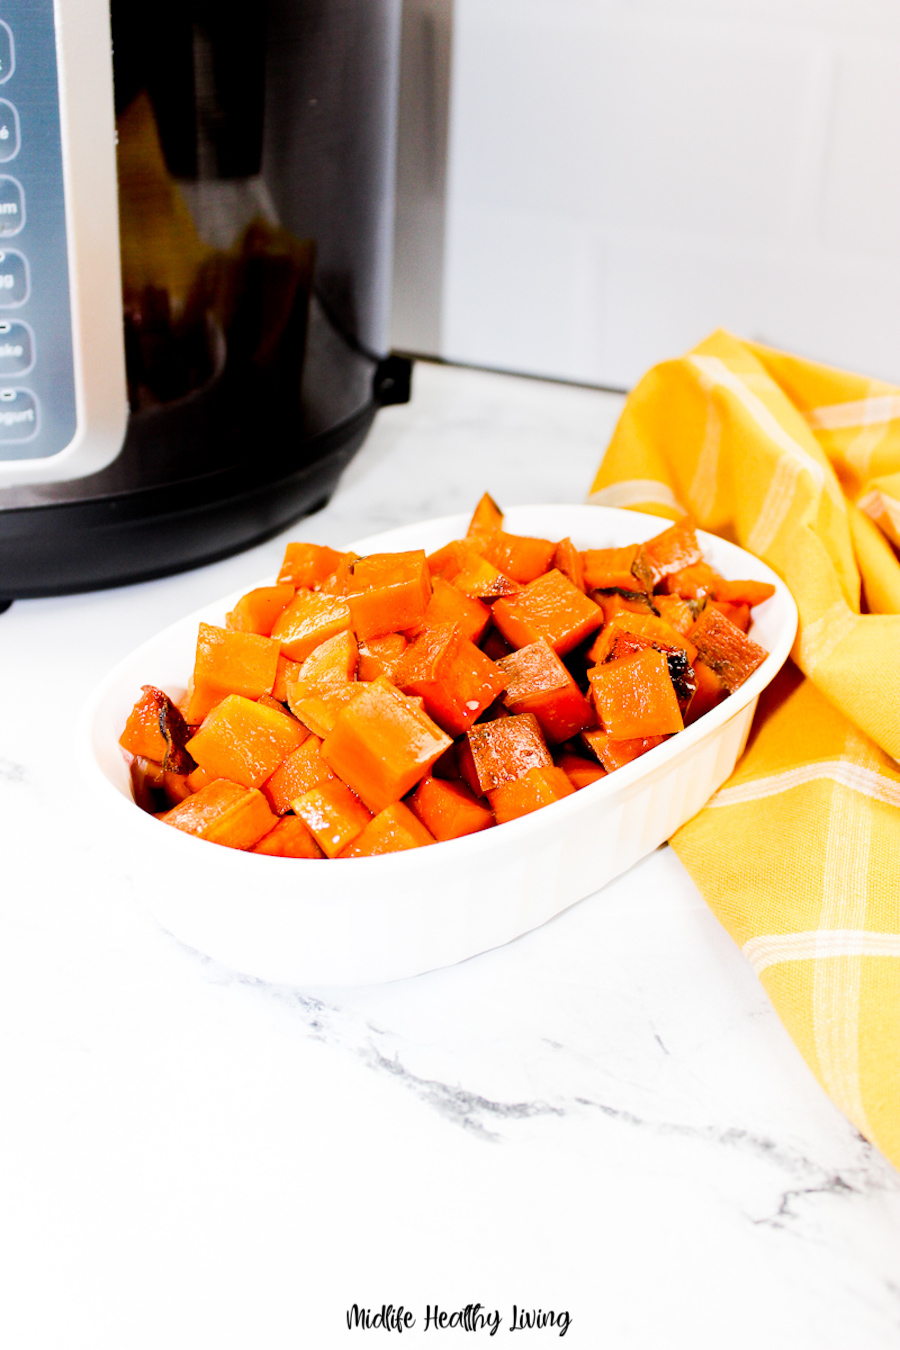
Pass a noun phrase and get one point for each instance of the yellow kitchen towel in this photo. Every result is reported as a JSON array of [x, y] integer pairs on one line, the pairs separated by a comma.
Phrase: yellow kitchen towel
[[798, 854]]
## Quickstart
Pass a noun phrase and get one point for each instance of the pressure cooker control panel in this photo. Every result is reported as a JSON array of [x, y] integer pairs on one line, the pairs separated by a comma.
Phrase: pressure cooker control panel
[[37, 377]]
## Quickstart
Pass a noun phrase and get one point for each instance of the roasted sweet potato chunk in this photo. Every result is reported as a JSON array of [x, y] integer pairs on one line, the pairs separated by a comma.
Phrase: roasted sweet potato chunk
[[458, 562], [381, 656], [229, 663], [608, 568], [580, 771], [257, 611], [302, 770], [506, 749], [616, 754], [244, 741], [388, 592], [539, 683], [448, 809], [393, 830], [224, 813], [290, 838], [309, 620], [551, 608], [383, 743], [634, 697], [455, 680], [536, 788], [156, 730], [487, 518], [448, 604], [725, 649], [519, 556], [333, 814], [308, 565]]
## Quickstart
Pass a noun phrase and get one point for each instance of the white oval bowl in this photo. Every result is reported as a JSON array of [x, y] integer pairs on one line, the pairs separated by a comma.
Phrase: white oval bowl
[[368, 920]]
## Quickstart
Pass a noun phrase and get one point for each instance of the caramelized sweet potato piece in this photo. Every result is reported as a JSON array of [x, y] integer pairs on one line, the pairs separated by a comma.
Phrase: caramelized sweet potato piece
[[381, 655], [388, 592], [625, 602], [257, 611], [676, 612], [309, 620], [157, 730], [519, 556], [393, 830], [539, 683], [692, 583], [608, 568], [198, 778], [308, 565], [339, 581], [285, 670], [449, 810], [536, 788], [449, 605], [302, 770], [289, 839], [581, 772], [224, 813], [670, 551], [459, 563], [229, 663], [729, 652], [267, 701], [615, 754], [739, 615], [318, 712], [710, 691], [568, 560], [629, 632], [383, 743], [550, 608], [333, 814], [454, 679], [327, 669], [634, 696], [245, 741], [504, 750], [749, 593], [486, 519]]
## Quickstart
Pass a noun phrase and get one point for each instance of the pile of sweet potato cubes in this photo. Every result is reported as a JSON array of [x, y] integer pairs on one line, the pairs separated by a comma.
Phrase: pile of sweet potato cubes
[[366, 705]]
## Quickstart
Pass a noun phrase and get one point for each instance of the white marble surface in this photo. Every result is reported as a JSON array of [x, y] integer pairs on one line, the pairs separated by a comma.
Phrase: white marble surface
[[605, 1116]]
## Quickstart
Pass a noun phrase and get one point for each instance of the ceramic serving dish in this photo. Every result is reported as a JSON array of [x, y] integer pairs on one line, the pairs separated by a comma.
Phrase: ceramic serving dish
[[368, 920]]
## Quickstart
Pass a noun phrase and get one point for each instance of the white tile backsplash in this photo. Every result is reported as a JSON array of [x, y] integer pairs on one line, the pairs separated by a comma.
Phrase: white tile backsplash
[[626, 175]]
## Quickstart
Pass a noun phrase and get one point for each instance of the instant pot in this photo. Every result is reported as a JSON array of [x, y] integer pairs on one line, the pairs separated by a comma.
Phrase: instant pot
[[195, 248]]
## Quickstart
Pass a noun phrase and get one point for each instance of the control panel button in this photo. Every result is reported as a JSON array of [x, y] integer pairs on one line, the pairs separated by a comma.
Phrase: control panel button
[[12, 206], [14, 281], [9, 130], [16, 347], [19, 416], [7, 52]]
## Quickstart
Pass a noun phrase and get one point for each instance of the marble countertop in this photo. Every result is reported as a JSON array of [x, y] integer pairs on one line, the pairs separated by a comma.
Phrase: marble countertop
[[603, 1118]]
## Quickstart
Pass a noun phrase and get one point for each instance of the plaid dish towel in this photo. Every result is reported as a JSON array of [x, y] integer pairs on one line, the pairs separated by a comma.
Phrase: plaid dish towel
[[798, 854]]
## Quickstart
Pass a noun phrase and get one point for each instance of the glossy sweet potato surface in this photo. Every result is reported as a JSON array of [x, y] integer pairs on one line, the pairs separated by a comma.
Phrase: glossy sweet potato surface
[[370, 705]]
